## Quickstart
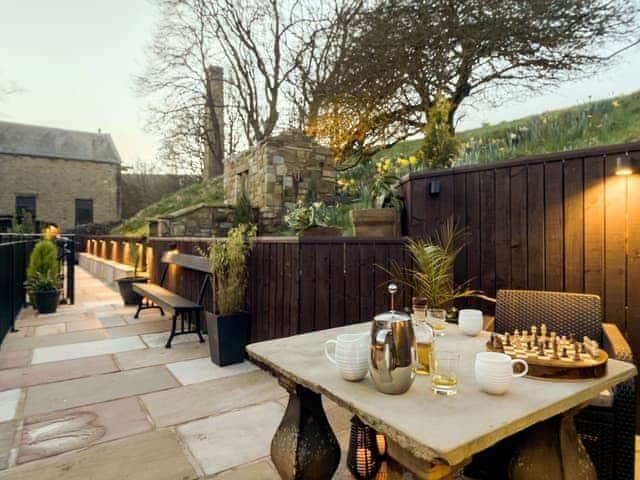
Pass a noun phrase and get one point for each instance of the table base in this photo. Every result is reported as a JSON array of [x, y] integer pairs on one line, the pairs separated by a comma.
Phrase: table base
[[304, 446]]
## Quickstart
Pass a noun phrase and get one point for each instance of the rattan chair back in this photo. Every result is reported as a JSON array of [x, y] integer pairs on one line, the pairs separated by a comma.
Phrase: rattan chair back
[[562, 312]]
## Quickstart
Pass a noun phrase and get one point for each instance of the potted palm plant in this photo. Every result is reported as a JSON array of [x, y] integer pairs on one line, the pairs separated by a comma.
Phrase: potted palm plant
[[431, 276], [42, 275], [313, 220], [382, 219], [228, 326], [125, 284]]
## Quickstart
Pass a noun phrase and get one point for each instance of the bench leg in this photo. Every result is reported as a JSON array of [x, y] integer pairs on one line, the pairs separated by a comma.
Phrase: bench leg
[[161, 311], [199, 326], [139, 308], [173, 331]]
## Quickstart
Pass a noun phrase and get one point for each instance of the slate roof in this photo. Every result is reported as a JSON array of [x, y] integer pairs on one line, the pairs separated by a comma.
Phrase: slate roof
[[37, 141]]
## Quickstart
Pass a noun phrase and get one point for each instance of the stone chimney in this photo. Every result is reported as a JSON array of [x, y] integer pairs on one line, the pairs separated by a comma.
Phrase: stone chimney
[[214, 123]]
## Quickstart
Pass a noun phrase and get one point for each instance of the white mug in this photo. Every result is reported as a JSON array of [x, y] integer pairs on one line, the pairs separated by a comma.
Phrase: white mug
[[494, 371], [470, 321], [351, 355]]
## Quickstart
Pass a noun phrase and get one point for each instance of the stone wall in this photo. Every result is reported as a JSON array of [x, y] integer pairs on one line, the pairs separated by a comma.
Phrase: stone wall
[[197, 221], [56, 184], [277, 173]]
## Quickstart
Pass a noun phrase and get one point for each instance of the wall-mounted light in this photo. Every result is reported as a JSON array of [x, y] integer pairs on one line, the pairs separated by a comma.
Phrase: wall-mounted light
[[434, 188], [623, 165]]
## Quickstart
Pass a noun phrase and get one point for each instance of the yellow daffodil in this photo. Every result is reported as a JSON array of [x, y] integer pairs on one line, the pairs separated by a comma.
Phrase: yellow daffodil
[[615, 104], [413, 160]]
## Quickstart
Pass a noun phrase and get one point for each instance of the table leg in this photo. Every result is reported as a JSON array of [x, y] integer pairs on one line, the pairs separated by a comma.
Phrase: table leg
[[552, 450], [304, 446]]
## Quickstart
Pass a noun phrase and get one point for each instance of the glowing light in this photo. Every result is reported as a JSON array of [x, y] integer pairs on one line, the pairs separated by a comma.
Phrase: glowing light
[[623, 165]]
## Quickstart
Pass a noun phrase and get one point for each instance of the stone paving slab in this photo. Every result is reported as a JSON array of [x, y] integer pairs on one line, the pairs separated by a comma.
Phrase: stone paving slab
[[56, 371], [163, 326], [203, 369], [199, 400], [93, 323], [154, 340], [47, 435], [155, 455], [86, 349], [231, 439], [14, 359], [9, 401], [7, 435], [161, 355], [30, 343], [260, 470], [53, 329], [101, 388]]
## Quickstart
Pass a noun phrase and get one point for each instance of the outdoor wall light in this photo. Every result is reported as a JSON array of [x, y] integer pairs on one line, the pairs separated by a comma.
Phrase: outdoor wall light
[[623, 165], [363, 458], [434, 188], [173, 246]]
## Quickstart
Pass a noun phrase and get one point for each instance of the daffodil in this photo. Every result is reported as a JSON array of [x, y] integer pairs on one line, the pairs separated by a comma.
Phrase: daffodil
[[413, 160], [615, 104]]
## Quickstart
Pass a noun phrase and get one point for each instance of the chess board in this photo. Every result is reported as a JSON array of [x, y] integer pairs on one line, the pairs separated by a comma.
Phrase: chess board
[[550, 355]]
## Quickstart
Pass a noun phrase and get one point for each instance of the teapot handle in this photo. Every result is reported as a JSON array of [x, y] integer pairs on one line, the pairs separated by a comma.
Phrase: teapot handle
[[384, 338], [326, 350]]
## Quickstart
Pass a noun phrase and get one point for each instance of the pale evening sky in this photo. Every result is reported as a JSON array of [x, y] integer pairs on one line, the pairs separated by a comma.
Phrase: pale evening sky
[[75, 60]]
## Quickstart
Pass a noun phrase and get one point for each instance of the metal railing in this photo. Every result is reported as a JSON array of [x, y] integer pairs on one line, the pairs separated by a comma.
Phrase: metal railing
[[15, 250]]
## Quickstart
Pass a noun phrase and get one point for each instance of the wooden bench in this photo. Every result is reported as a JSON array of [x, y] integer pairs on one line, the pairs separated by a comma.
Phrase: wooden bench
[[156, 296]]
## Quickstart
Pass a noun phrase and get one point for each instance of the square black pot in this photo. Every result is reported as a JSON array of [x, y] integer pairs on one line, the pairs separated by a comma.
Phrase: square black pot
[[228, 337]]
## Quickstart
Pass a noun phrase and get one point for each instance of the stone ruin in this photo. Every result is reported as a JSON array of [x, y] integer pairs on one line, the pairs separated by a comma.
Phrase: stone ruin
[[277, 173]]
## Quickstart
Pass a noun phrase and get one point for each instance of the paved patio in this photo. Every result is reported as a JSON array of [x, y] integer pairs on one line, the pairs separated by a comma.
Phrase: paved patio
[[90, 392]]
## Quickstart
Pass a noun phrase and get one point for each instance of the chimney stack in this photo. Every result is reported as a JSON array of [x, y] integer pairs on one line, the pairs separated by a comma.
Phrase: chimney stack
[[214, 123]]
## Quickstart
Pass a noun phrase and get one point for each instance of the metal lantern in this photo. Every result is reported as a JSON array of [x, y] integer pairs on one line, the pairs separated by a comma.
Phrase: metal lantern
[[364, 458]]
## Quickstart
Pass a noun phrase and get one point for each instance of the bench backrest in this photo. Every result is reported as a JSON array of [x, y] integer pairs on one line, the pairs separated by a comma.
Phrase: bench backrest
[[192, 262]]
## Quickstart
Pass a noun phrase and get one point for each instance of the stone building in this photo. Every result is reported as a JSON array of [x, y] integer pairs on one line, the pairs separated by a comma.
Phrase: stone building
[[61, 176], [277, 173]]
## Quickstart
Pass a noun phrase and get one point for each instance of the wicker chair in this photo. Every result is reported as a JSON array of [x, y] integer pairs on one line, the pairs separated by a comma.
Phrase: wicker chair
[[608, 433]]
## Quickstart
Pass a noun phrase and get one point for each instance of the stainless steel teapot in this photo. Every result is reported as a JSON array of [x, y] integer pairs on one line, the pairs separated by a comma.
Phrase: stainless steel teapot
[[393, 350]]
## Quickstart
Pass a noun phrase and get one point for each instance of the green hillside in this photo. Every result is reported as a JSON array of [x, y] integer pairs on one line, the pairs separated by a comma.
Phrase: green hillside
[[210, 192], [614, 120]]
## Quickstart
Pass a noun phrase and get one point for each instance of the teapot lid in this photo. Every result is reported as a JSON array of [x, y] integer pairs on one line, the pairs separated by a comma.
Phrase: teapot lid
[[392, 316]]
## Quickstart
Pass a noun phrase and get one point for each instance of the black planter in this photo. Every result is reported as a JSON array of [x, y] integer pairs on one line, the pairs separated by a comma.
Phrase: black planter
[[46, 301], [228, 335], [125, 284]]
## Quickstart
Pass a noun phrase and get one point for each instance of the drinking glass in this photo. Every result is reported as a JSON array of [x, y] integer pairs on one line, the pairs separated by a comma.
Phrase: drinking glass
[[437, 318], [444, 372], [424, 346]]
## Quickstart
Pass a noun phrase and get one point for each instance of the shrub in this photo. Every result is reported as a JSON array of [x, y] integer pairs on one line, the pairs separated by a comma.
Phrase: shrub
[[228, 259], [440, 146], [43, 265], [243, 211]]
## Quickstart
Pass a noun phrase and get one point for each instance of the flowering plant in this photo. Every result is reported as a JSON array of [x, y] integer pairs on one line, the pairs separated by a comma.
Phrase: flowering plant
[[316, 214]]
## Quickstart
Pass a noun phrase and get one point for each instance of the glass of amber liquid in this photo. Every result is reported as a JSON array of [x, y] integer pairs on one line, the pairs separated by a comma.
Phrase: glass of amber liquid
[[437, 318], [424, 347], [444, 372]]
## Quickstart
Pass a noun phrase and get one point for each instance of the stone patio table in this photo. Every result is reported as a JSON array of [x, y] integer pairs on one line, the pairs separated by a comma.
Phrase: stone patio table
[[427, 433]]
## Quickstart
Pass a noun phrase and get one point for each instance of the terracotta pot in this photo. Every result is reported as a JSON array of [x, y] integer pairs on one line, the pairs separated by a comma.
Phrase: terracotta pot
[[376, 222], [316, 231]]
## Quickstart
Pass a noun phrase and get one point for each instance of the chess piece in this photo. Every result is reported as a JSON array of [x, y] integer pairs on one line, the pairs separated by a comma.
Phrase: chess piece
[[541, 349], [507, 340], [564, 352], [543, 330], [576, 355], [516, 332]]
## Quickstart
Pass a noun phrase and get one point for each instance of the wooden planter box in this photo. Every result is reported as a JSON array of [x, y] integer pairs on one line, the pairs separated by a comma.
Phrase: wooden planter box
[[376, 222], [322, 232]]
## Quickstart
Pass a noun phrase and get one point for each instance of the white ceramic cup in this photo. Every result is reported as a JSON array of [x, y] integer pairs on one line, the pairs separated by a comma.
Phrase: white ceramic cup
[[470, 321], [494, 371], [351, 355]]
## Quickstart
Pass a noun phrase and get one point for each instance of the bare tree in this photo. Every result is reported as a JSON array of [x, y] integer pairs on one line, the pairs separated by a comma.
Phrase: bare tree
[[402, 53], [176, 84]]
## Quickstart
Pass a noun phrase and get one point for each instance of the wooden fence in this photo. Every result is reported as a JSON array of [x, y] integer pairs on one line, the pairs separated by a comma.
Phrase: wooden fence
[[561, 222], [296, 285]]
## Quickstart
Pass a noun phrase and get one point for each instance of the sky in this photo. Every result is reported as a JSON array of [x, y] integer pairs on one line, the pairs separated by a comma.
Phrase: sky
[[74, 62]]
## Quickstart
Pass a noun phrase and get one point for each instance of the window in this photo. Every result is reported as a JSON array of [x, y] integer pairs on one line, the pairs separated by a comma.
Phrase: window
[[25, 203], [84, 211]]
